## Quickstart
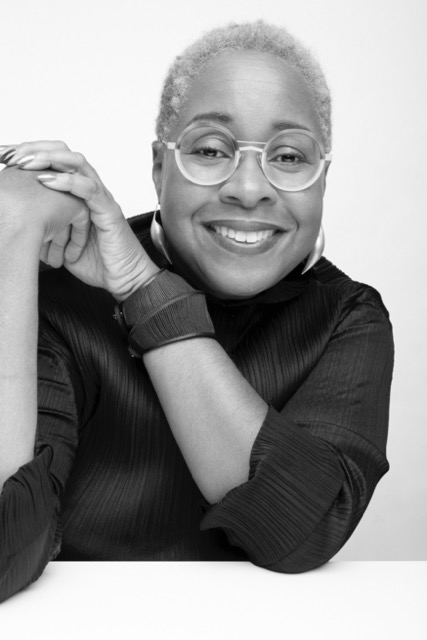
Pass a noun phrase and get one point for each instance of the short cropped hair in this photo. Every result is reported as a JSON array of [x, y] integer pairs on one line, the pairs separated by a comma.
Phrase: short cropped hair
[[248, 36]]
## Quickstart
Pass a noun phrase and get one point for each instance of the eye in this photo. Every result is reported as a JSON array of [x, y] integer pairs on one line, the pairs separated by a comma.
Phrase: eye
[[291, 158], [286, 156], [210, 151], [212, 147]]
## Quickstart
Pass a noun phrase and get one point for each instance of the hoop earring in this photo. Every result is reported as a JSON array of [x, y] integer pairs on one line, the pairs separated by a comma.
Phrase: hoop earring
[[158, 235], [316, 252]]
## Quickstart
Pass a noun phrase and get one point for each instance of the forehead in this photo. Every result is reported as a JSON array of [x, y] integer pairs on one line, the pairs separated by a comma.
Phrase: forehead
[[254, 91]]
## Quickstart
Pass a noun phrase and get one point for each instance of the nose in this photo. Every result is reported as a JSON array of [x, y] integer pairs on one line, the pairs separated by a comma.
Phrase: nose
[[248, 185]]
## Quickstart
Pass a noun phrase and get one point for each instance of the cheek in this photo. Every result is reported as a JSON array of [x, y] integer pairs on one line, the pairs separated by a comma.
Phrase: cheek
[[305, 208], [181, 201], [308, 204], [178, 205], [177, 193]]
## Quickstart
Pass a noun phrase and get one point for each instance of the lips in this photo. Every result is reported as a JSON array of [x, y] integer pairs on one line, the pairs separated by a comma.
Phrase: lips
[[245, 237], [240, 235], [243, 232]]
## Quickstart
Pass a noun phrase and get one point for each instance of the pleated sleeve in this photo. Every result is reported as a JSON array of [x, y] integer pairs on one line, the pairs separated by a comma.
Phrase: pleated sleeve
[[316, 461], [30, 501]]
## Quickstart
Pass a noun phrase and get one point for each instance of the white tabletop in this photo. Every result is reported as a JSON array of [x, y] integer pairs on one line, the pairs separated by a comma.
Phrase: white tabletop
[[221, 600]]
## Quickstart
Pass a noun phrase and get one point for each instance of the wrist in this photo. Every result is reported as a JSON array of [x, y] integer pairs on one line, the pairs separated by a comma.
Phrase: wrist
[[141, 278], [29, 210], [20, 245], [166, 310]]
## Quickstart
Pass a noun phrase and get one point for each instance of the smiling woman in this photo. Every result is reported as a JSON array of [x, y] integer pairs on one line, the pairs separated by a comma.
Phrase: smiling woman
[[240, 85], [251, 421]]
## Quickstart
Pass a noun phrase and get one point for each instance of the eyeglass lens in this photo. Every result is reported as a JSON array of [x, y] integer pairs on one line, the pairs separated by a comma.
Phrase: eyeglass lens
[[209, 155]]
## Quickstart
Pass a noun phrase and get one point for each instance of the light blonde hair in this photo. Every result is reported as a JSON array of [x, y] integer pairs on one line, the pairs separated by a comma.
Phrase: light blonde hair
[[249, 36]]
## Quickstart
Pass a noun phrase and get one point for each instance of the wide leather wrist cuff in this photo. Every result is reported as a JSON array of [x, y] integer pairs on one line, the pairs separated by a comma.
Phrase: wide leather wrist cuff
[[165, 310]]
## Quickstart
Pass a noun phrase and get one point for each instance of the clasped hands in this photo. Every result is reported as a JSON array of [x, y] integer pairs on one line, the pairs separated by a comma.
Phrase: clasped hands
[[87, 233]]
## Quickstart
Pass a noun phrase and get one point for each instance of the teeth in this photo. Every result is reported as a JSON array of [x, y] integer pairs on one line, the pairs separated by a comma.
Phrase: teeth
[[248, 237]]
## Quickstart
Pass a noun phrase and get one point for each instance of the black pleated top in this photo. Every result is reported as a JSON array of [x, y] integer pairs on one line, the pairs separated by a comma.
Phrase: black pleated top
[[108, 481]]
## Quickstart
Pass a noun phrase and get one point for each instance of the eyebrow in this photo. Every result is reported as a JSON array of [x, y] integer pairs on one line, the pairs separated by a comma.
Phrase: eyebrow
[[217, 116], [280, 125], [224, 118]]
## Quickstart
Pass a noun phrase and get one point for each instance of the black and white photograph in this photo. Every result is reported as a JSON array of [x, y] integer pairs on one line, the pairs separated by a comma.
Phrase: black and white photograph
[[213, 319]]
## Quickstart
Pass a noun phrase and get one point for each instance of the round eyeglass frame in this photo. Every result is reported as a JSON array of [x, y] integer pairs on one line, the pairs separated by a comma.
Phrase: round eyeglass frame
[[246, 145]]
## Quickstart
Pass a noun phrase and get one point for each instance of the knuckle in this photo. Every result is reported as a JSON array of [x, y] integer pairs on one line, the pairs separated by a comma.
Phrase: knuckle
[[117, 210], [79, 158], [60, 144], [95, 187], [23, 147], [69, 180]]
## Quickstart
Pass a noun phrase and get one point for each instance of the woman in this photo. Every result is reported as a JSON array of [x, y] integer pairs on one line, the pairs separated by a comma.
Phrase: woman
[[251, 421]]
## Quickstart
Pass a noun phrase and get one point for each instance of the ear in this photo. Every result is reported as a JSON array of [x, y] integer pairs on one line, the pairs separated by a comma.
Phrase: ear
[[325, 172], [157, 171]]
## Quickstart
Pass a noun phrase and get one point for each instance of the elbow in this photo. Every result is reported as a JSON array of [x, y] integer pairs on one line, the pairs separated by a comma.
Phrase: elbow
[[29, 537], [313, 553], [19, 570], [316, 550], [326, 538], [301, 528], [292, 543]]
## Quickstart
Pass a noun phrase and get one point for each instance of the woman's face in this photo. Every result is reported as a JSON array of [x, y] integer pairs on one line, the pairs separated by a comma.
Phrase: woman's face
[[257, 94]]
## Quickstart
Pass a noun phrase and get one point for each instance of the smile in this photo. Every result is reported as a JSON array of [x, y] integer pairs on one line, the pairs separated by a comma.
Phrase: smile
[[244, 237]]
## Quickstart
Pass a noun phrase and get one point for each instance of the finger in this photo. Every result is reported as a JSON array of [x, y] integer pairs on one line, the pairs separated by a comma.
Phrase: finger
[[65, 161], [59, 159], [71, 240], [44, 251], [7, 155], [92, 191], [6, 148], [78, 240], [27, 148], [57, 246], [3, 147]]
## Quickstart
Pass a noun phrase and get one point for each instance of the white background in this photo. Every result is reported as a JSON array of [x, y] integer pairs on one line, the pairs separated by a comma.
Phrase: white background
[[90, 71]]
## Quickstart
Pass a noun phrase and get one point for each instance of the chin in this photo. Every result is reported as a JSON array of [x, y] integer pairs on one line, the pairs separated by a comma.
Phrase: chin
[[228, 281], [228, 290]]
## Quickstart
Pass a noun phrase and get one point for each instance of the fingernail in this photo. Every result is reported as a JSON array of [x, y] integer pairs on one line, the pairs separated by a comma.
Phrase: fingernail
[[25, 160], [7, 156], [46, 177]]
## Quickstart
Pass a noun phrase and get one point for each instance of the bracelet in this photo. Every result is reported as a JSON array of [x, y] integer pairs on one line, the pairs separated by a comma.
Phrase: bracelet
[[165, 310]]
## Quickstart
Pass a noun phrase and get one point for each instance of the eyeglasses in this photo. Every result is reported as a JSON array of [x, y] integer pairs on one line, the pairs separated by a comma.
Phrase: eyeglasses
[[208, 154]]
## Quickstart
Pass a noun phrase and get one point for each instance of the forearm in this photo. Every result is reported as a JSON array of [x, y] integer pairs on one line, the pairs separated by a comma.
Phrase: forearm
[[18, 350], [213, 412]]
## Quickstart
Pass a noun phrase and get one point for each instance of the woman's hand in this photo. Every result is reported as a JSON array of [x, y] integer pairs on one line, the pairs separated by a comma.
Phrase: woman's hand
[[97, 246], [28, 211]]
